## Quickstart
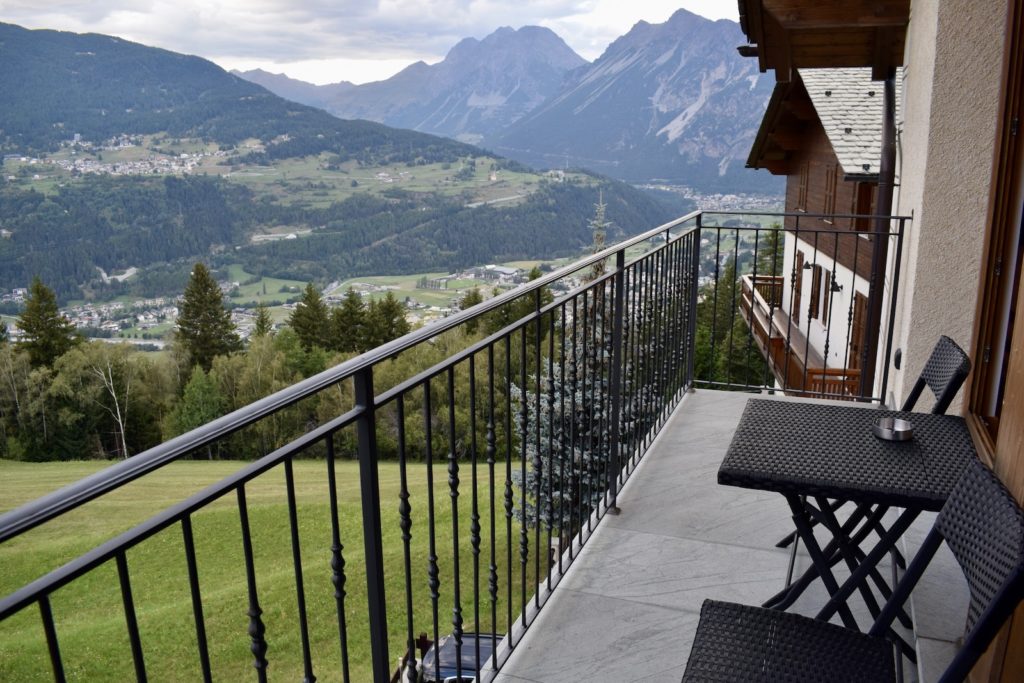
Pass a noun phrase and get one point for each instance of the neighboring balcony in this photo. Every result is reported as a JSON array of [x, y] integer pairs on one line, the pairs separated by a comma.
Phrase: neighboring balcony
[[798, 367]]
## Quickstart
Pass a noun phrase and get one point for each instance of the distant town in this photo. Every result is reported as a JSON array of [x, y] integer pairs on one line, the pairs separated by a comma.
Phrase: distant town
[[146, 321]]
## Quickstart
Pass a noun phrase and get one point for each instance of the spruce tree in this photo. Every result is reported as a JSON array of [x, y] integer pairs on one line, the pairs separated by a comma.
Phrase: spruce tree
[[264, 324], [348, 323], [469, 300], [48, 334], [310, 319], [204, 325], [385, 320]]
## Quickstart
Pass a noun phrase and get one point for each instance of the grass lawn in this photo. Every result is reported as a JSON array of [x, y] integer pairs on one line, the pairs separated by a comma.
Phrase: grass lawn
[[254, 292], [90, 621]]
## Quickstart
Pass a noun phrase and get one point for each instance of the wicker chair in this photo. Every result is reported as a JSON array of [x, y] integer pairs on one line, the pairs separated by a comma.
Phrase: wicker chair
[[944, 373], [984, 528]]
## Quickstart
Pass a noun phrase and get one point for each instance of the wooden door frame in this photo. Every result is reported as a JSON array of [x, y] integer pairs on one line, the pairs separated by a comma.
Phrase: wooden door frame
[[1003, 661], [999, 221]]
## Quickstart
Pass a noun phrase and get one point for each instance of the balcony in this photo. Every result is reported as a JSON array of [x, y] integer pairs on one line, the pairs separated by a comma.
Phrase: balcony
[[628, 608], [800, 368], [498, 481]]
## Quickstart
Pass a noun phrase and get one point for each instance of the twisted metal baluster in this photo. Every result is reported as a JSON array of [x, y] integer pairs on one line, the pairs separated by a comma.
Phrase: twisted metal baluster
[[453, 492], [258, 645], [405, 524]]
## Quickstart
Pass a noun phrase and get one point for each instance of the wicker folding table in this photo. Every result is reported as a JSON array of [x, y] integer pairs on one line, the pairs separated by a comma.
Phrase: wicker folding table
[[811, 452]]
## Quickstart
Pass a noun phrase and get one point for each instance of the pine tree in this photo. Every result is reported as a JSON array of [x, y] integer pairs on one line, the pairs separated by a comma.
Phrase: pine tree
[[48, 334], [310, 319], [4, 334], [348, 323], [385, 320], [469, 300], [204, 325], [264, 324]]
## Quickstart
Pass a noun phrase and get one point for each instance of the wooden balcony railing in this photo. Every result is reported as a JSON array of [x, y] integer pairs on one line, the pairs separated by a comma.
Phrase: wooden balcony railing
[[799, 369]]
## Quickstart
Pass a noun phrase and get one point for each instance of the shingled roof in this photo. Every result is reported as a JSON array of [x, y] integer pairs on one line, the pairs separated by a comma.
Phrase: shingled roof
[[849, 105]]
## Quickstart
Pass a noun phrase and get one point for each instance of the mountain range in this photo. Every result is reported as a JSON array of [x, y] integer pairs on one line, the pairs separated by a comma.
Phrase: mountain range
[[119, 156], [56, 84], [670, 102], [479, 89]]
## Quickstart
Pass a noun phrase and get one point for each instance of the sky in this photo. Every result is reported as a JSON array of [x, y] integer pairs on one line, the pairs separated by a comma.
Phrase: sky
[[325, 41]]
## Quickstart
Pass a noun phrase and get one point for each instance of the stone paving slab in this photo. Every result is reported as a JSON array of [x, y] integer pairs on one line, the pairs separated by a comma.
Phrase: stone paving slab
[[627, 608]]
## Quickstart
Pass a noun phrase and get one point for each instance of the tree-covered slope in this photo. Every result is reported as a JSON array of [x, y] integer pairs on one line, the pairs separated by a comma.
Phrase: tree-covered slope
[[414, 235], [56, 84], [116, 223]]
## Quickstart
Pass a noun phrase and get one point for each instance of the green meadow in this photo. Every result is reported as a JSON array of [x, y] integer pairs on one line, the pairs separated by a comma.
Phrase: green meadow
[[90, 621]]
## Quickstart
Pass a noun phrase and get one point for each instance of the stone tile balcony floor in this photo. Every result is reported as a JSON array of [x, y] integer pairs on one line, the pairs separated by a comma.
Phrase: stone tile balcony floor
[[627, 609]]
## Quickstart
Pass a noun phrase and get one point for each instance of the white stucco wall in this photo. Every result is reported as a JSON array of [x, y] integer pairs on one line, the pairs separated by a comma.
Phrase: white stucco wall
[[836, 331], [953, 72]]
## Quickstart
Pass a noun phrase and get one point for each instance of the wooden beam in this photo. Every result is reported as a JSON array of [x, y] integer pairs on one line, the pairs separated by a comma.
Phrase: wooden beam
[[776, 49], [776, 167], [801, 109], [819, 14], [788, 138]]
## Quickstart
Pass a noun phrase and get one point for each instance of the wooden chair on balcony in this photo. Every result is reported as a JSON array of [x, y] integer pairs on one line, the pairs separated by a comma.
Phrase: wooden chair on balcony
[[984, 528]]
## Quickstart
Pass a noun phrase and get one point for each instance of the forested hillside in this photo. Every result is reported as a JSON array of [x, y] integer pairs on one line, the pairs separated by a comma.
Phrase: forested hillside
[[123, 156], [56, 84], [115, 223], [407, 234]]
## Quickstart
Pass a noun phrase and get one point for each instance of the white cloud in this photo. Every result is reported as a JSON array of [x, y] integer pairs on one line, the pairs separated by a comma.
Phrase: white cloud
[[332, 40]]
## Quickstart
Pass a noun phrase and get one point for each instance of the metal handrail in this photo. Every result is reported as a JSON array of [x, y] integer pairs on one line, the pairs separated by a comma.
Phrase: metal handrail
[[80, 565], [49, 506], [642, 317]]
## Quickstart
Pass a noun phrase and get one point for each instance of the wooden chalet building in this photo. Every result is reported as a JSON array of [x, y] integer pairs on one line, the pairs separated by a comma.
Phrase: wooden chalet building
[[823, 131], [961, 178]]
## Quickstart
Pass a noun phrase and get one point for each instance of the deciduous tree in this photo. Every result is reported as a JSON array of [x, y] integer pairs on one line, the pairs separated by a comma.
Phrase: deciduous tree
[[201, 403]]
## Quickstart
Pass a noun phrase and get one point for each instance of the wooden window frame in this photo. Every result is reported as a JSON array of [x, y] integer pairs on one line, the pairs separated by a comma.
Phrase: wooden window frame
[[802, 188], [995, 294], [831, 182], [815, 302]]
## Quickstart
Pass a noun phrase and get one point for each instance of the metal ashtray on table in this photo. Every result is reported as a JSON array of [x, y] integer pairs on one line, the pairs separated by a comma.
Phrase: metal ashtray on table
[[813, 452]]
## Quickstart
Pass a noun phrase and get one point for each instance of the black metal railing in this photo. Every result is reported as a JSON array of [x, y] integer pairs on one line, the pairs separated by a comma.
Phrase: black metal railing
[[537, 425], [786, 298]]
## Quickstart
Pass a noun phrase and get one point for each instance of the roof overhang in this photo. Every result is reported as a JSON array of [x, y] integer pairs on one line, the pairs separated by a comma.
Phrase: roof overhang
[[794, 34]]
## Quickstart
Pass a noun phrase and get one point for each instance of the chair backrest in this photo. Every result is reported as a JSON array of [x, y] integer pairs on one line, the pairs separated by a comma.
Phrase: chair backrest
[[944, 373], [984, 528]]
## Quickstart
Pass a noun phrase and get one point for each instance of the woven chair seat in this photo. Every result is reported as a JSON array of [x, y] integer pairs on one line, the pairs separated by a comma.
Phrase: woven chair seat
[[744, 644]]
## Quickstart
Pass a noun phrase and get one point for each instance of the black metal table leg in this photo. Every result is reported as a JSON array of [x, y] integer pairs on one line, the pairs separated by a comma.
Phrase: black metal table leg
[[801, 519]]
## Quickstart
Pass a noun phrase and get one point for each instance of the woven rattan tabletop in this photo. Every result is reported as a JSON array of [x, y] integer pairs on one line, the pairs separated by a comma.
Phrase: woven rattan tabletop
[[830, 450]]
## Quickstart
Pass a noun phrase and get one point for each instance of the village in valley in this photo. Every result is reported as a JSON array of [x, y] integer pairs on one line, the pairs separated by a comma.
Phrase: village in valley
[[147, 321]]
